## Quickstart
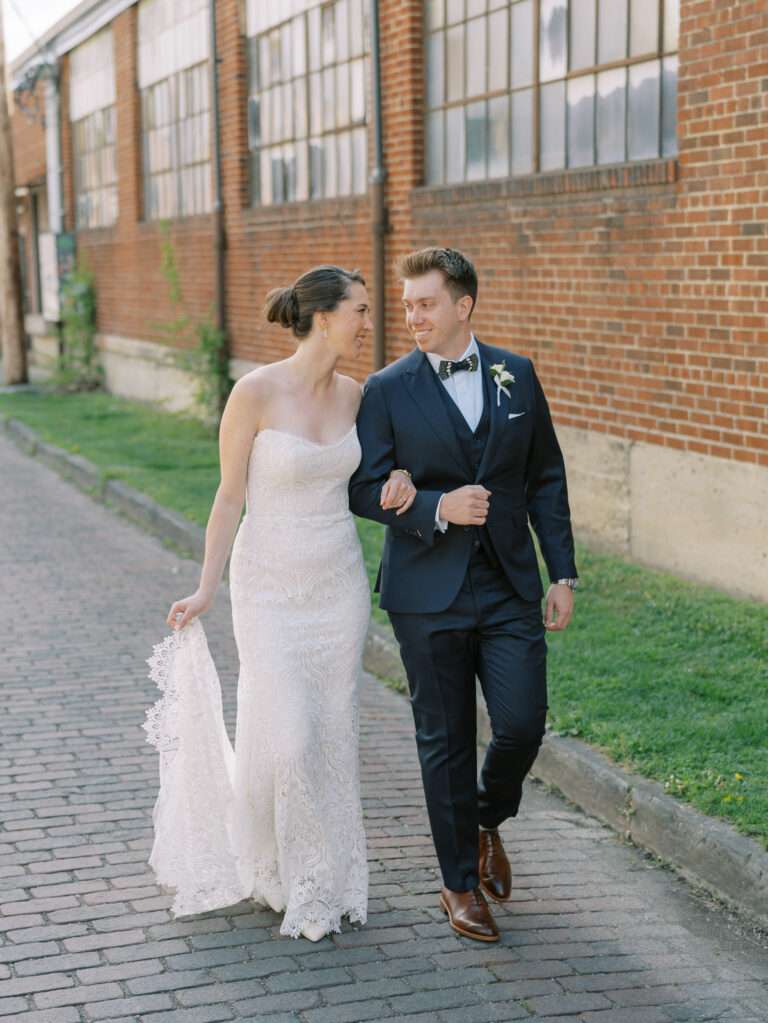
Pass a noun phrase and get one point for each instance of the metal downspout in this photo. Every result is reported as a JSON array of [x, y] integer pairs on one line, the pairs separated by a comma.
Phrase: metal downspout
[[218, 203], [378, 208]]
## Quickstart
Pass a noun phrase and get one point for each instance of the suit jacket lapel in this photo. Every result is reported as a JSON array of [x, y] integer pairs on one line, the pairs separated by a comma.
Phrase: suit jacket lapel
[[496, 413], [422, 384]]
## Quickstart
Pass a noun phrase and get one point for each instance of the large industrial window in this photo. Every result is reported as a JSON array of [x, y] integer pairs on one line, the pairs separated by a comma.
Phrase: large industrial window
[[92, 114], [519, 86], [174, 79], [307, 99]]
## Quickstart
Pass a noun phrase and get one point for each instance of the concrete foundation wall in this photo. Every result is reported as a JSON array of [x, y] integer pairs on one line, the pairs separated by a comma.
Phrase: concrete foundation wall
[[695, 515], [148, 372]]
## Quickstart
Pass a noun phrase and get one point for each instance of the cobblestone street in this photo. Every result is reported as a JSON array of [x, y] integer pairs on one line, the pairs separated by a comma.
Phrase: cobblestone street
[[595, 931]]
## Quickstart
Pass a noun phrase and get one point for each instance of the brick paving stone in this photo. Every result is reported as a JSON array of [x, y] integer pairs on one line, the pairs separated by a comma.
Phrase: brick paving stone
[[594, 931], [81, 995], [200, 1014], [12, 1006], [66, 1014]]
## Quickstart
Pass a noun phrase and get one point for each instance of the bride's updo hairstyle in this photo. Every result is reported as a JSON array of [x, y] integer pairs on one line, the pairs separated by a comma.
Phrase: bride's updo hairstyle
[[319, 290]]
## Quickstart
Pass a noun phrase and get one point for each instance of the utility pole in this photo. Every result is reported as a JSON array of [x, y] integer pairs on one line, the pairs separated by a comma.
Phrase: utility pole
[[11, 317]]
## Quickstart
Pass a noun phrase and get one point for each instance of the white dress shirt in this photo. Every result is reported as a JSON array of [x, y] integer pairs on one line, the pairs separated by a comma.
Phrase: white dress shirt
[[466, 389]]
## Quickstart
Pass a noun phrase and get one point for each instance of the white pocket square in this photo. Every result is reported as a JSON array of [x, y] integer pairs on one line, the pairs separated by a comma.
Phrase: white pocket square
[[514, 415]]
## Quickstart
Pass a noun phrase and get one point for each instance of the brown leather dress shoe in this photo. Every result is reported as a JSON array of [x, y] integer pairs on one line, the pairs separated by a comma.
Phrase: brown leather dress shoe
[[469, 915], [495, 872]]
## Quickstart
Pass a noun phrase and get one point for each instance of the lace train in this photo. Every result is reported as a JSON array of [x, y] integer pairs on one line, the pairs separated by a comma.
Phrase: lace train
[[193, 849]]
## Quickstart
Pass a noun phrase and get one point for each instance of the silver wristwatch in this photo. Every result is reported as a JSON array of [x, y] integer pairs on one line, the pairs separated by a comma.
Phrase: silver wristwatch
[[570, 583]]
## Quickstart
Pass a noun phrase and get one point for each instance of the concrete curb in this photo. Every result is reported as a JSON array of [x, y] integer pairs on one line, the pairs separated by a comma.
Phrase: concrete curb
[[706, 851]]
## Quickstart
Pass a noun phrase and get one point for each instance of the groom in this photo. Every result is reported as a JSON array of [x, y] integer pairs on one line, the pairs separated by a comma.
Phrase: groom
[[459, 575]]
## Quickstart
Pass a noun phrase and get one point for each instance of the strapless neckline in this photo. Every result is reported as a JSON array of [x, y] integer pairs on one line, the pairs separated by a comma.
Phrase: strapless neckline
[[306, 440]]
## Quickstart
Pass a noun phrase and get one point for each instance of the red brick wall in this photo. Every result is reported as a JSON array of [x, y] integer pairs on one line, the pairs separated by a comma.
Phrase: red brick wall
[[132, 294], [271, 246], [640, 292], [29, 139], [641, 295]]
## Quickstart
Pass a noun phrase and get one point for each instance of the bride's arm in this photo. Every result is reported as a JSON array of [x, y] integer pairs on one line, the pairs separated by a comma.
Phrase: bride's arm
[[238, 428]]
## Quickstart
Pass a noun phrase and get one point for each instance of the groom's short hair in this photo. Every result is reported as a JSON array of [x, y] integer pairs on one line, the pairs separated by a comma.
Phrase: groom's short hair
[[458, 272]]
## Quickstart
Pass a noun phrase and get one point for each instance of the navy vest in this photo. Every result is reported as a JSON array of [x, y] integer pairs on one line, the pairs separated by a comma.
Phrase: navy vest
[[473, 445]]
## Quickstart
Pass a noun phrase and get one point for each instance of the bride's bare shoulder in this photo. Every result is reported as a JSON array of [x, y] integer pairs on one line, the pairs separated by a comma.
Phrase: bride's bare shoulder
[[352, 391], [255, 388]]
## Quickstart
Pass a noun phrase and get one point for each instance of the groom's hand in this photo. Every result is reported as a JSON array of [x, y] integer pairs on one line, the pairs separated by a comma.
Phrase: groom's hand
[[467, 506], [559, 607]]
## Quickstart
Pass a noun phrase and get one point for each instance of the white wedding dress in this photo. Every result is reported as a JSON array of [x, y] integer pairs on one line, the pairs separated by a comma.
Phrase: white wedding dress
[[278, 819]]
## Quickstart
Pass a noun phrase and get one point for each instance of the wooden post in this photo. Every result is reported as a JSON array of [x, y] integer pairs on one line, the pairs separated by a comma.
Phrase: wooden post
[[11, 316]]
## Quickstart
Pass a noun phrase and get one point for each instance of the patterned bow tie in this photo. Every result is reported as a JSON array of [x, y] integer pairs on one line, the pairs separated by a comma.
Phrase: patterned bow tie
[[447, 369]]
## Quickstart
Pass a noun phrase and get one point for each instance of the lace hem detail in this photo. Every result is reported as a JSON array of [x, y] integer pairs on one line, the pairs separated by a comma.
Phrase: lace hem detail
[[193, 851]]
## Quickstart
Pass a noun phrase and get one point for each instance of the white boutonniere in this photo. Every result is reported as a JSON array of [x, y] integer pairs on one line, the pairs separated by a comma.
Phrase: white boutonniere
[[501, 377]]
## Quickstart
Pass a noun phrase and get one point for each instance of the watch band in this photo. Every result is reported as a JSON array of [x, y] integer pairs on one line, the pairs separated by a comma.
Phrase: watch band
[[571, 583]]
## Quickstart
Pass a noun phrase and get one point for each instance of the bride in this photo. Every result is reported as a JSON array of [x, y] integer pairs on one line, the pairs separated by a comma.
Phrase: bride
[[279, 819]]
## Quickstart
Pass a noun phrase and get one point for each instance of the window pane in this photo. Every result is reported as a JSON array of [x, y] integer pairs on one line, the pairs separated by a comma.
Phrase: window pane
[[435, 13], [581, 121], [266, 176], [328, 36], [266, 118], [289, 165], [286, 48], [356, 27], [671, 24], [315, 168], [357, 87], [314, 38], [475, 7], [476, 136], [435, 70], [315, 103], [644, 27], [277, 113], [264, 62], [522, 43], [583, 33], [435, 150], [329, 99], [669, 106], [359, 161], [612, 31], [454, 130], [552, 49], [302, 172], [454, 56], [299, 46], [342, 95], [476, 57], [498, 137], [552, 131], [329, 165], [611, 115], [522, 132], [644, 110], [344, 150], [454, 10], [342, 30], [498, 53], [287, 108], [300, 107], [274, 56], [278, 178]]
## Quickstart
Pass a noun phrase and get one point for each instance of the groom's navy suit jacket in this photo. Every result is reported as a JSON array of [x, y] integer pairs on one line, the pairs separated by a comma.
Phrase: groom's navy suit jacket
[[404, 423]]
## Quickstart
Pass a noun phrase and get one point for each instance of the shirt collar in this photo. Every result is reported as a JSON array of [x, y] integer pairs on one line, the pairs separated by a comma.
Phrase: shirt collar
[[435, 360]]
